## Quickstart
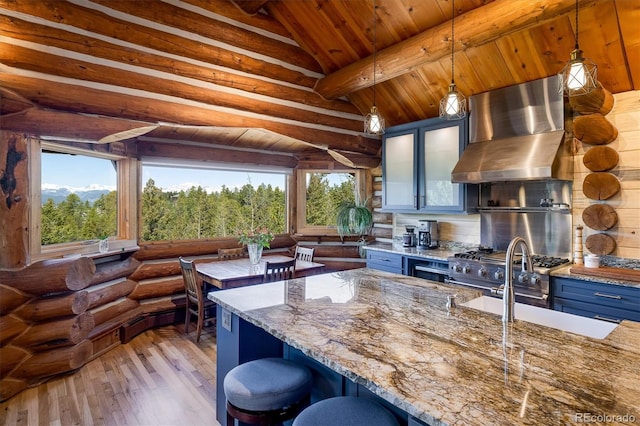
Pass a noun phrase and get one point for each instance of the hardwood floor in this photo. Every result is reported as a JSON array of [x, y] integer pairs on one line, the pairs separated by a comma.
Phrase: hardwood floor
[[161, 377]]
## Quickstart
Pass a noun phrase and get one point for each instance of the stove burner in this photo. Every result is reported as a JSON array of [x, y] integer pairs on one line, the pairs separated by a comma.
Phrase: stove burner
[[548, 261]]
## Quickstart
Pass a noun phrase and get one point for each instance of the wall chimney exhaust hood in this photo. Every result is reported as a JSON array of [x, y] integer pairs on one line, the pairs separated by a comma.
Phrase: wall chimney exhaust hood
[[516, 133]]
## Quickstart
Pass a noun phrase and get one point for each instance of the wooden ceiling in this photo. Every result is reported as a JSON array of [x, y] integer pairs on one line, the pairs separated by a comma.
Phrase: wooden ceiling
[[283, 76]]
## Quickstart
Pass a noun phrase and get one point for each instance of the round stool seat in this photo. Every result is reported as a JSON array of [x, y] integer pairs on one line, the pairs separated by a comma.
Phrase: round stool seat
[[345, 411], [267, 384]]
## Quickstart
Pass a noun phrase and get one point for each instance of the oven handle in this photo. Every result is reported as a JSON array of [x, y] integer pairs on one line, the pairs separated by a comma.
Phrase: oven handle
[[432, 270], [495, 290]]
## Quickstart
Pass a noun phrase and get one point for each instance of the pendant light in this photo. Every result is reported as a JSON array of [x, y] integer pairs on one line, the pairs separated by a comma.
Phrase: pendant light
[[580, 75], [454, 105], [373, 122]]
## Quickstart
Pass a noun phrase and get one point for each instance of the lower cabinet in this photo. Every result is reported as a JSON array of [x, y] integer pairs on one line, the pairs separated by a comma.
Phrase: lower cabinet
[[385, 261], [602, 301]]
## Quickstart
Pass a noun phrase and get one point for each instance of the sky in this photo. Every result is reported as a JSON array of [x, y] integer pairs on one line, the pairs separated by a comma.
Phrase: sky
[[82, 172]]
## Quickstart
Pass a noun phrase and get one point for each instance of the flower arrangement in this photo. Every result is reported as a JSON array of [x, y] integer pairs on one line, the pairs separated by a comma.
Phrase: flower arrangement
[[260, 236]]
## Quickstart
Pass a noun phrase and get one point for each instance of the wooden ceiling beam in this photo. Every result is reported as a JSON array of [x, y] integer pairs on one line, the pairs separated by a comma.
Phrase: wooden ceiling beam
[[68, 98], [475, 28]]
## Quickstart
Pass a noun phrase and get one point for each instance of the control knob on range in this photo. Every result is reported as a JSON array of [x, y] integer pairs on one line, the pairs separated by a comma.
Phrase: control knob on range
[[482, 272], [535, 279], [523, 278], [466, 268], [457, 267], [499, 275]]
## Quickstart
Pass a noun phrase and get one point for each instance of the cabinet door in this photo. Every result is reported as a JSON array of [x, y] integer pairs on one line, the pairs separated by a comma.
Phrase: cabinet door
[[441, 144], [400, 171]]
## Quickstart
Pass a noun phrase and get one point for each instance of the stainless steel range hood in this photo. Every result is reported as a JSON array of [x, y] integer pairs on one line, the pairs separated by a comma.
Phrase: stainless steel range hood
[[516, 133]]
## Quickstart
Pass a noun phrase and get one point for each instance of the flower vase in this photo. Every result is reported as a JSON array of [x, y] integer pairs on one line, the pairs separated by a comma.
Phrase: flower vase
[[255, 253], [103, 245]]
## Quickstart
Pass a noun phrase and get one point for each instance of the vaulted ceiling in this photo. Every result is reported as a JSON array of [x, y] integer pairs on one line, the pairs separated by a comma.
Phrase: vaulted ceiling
[[283, 76]]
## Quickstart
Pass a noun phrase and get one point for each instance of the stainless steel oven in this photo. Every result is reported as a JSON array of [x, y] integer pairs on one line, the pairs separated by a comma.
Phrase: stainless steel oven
[[429, 269], [485, 269]]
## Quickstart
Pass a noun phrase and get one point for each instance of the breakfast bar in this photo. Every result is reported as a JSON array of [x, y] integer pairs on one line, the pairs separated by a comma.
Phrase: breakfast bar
[[395, 338]]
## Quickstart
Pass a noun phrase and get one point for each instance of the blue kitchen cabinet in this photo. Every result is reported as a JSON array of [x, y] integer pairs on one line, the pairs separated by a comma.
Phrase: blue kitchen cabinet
[[417, 160], [385, 261], [602, 301]]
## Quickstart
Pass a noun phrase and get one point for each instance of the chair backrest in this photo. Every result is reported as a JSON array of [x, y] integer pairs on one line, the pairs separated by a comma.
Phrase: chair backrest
[[192, 284], [230, 253], [304, 253], [276, 271]]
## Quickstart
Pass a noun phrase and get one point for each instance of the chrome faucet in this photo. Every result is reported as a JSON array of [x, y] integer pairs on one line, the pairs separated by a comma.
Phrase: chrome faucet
[[508, 297]]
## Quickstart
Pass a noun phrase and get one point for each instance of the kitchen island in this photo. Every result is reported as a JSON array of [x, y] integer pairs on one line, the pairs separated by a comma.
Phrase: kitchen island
[[394, 336]]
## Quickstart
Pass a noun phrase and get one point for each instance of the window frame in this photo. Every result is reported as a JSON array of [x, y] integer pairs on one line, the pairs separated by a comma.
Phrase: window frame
[[301, 199], [127, 177]]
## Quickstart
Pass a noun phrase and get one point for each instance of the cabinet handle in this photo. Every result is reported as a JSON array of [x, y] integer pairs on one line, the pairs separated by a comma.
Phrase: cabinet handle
[[616, 321], [608, 296]]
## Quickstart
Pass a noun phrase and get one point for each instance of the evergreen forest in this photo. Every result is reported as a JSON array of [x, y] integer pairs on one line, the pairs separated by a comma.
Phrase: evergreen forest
[[194, 213]]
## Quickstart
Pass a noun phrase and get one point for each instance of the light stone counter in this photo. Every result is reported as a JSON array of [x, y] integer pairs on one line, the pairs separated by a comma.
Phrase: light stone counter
[[393, 335], [436, 254]]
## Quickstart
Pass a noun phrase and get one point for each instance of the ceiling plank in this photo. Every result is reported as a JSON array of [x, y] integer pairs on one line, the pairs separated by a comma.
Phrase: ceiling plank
[[475, 28]]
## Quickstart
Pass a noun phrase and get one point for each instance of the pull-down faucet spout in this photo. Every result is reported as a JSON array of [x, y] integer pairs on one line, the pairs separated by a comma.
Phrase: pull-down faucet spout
[[508, 297]]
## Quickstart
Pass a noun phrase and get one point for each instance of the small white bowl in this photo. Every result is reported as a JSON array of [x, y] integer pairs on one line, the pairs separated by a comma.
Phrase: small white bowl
[[591, 261]]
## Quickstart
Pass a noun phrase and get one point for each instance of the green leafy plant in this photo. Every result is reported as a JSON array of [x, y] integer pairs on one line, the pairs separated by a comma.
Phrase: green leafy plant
[[261, 236], [354, 218]]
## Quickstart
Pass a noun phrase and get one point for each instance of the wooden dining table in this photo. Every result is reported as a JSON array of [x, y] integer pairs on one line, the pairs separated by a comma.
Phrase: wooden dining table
[[225, 274]]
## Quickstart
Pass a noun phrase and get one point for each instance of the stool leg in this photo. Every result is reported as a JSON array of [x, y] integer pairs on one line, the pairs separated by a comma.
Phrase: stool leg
[[230, 419]]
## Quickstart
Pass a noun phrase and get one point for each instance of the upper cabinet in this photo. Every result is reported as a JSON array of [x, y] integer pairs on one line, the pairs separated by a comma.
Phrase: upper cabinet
[[417, 159]]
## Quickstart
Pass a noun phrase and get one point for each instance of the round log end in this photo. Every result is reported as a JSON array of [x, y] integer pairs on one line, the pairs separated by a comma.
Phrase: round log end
[[601, 158], [594, 129], [81, 327], [600, 217], [600, 186], [80, 273], [80, 302], [599, 100], [80, 354], [600, 244]]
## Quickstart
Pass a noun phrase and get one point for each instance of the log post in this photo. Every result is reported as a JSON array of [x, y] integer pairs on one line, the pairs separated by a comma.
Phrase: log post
[[109, 291], [158, 287], [10, 327], [51, 276], [112, 271], [47, 308], [111, 310], [10, 387]]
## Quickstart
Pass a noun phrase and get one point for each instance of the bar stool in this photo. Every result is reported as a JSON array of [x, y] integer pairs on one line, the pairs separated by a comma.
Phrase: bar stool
[[345, 411], [266, 391]]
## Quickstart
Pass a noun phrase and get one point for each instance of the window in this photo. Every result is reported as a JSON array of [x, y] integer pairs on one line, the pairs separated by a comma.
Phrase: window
[[80, 197], [192, 202], [320, 192]]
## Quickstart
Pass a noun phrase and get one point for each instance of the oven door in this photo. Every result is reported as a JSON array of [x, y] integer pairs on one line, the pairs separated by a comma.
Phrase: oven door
[[522, 296], [429, 269]]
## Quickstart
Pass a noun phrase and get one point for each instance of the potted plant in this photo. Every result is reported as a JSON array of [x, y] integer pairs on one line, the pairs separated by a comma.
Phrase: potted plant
[[354, 218], [255, 241]]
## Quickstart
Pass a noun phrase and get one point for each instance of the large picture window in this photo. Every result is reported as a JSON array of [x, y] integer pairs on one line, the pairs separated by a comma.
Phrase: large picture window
[[180, 203], [79, 197]]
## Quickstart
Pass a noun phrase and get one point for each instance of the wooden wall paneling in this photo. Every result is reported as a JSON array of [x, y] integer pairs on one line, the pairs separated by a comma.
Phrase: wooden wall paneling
[[111, 311], [11, 356], [11, 298], [14, 204], [114, 270], [156, 287], [50, 363], [109, 291], [156, 269], [10, 327], [46, 308], [44, 336], [50, 276]]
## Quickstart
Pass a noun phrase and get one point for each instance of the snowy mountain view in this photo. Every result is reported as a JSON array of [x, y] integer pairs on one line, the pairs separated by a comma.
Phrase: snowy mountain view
[[59, 193]]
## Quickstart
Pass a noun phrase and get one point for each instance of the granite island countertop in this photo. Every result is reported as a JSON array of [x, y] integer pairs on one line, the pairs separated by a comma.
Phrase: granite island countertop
[[393, 334]]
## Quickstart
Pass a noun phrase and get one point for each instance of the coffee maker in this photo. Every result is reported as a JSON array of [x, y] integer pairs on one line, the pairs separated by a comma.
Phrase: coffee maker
[[409, 237], [428, 234]]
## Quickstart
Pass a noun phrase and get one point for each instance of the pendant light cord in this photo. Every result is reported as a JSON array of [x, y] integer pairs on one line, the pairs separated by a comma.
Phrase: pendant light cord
[[577, 31], [452, 38], [375, 39]]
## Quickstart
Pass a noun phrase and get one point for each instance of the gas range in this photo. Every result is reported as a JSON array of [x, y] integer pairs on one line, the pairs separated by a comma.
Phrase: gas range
[[485, 268]]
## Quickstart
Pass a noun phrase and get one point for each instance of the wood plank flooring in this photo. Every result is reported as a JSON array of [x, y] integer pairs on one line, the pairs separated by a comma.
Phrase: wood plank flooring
[[161, 377]]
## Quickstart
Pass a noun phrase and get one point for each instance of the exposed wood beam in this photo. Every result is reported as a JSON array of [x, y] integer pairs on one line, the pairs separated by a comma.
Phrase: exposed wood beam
[[251, 7], [475, 28], [67, 98]]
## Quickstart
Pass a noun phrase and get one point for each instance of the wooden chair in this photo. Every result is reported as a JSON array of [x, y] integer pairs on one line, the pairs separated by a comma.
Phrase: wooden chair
[[304, 253], [277, 271], [230, 253], [196, 304]]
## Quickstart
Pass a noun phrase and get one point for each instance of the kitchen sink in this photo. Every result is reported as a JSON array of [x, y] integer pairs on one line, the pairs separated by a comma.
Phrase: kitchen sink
[[589, 327]]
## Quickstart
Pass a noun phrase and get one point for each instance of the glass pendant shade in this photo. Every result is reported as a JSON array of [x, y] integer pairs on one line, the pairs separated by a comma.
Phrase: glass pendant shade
[[454, 105], [373, 122], [579, 76]]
